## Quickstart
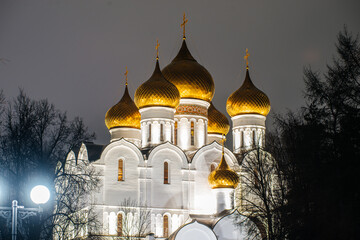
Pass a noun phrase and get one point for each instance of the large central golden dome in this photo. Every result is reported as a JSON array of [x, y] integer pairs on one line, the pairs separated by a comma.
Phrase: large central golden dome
[[123, 114], [217, 122], [191, 78], [157, 91], [248, 99]]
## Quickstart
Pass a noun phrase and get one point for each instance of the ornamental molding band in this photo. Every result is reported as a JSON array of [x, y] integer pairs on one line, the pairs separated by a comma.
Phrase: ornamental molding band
[[191, 110]]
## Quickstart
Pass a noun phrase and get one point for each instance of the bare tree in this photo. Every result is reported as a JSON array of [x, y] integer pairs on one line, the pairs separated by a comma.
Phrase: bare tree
[[262, 194], [74, 215], [34, 137], [135, 220]]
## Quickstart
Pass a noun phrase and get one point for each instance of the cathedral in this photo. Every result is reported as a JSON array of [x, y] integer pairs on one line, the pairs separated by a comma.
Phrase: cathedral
[[166, 164]]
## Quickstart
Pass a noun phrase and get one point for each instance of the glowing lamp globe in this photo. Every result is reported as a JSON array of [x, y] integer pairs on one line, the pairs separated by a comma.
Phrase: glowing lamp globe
[[40, 194]]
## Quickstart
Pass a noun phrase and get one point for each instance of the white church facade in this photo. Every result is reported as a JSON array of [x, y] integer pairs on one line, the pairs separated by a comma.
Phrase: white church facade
[[166, 155]]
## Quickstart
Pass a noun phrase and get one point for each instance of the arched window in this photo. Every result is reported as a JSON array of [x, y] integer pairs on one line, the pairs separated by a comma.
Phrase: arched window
[[161, 132], [149, 139], [121, 170], [166, 173], [166, 226], [254, 138], [212, 167], [119, 224], [192, 133], [241, 138], [175, 133]]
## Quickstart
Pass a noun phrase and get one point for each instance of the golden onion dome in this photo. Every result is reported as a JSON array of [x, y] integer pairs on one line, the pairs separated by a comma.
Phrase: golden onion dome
[[157, 91], [218, 122], [123, 114], [223, 176], [191, 78], [248, 99]]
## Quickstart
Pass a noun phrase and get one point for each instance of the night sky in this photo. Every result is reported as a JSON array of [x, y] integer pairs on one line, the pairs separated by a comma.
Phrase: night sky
[[74, 53]]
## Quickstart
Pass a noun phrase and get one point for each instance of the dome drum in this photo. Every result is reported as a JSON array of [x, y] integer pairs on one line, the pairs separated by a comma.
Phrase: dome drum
[[130, 134]]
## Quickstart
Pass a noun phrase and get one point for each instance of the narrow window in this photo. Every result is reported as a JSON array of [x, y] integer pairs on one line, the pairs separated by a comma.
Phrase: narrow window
[[212, 167], [254, 138], [149, 140], [166, 226], [175, 133], [166, 173], [192, 133], [242, 139], [121, 170], [161, 132], [119, 225]]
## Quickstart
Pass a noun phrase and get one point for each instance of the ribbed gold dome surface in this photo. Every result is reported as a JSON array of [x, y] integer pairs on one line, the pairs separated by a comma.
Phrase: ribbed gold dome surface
[[157, 91], [191, 78], [123, 114], [248, 99], [223, 176], [217, 122]]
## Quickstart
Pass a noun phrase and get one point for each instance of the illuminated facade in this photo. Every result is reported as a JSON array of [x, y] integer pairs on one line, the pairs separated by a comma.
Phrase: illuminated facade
[[166, 154]]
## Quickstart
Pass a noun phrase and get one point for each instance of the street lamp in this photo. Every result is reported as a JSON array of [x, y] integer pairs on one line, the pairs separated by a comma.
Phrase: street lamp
[[39, 195]]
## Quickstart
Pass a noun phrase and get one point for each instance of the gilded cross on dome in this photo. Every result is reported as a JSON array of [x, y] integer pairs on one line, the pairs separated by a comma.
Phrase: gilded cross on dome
[[183, 25], [246, 57], [157, 49], [126, 76]]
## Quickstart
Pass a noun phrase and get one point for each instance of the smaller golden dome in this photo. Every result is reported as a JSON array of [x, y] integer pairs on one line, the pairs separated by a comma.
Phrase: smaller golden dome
[[157, 91], [223, 176], [248, 99], [123, 114], [218, 122], [191, 78]]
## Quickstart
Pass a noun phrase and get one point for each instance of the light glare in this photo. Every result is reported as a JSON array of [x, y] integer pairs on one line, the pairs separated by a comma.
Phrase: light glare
[[40, 194]]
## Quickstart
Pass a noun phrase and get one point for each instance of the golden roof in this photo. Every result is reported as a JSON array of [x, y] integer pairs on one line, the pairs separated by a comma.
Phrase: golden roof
[[248, 99], [123, 114], [157, 91], [191, 78], [218, 122], [223, 176]]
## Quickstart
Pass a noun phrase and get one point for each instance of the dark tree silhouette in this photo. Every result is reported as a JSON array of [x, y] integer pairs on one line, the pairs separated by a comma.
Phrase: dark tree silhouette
[[262, 196], [34, 137], [321, 148]]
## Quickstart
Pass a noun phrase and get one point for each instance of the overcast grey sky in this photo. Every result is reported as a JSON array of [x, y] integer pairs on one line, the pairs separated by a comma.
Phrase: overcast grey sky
[[74, 52]]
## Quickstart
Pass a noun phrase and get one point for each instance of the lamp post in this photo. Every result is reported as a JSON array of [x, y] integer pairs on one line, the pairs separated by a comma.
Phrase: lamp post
[[39, 195]]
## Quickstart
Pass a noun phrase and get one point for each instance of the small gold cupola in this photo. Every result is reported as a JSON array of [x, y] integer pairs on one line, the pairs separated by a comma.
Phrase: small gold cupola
[[248, 99], [218, 122], [124, 113], [157, 91], [223, 176], [192, 79]]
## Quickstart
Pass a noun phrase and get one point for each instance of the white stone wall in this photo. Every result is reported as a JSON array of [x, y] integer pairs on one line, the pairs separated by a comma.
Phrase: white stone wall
[[166, 195], [116, 191]]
